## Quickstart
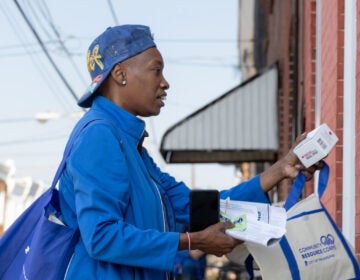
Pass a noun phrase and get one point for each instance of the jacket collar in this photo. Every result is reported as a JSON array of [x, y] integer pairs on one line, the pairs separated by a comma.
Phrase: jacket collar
[[127, 122]]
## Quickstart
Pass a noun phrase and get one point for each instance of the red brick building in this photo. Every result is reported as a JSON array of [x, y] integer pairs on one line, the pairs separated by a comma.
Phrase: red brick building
[[329, 50], [314, 43], [314, 47]]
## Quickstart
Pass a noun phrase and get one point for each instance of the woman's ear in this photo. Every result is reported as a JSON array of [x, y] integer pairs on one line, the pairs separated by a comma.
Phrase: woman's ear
[[118, 73]]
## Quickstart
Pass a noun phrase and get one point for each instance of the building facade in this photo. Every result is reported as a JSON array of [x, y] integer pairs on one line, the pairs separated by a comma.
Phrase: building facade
[[316, 45]]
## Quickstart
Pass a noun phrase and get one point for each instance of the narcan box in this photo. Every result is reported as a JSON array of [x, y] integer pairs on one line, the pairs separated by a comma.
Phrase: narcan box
[[317, 145]]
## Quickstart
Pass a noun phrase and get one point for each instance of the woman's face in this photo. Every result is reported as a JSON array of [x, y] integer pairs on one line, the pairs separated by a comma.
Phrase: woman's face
[[145, 83]]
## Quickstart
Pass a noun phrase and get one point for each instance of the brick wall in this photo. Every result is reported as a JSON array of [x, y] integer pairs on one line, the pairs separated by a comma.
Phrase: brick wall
[[331, 88], [332, 69], [307, 69], [332, 61], [280, 49]]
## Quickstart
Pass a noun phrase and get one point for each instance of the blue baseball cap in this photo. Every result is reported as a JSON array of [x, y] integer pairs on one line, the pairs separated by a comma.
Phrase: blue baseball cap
[[114, 45]]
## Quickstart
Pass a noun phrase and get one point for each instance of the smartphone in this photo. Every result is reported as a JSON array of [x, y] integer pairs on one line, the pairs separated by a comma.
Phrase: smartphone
[[204, 209]]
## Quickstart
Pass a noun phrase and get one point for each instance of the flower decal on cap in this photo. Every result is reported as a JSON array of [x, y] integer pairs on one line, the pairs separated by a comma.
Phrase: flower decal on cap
[[93, 59], [94, 83]]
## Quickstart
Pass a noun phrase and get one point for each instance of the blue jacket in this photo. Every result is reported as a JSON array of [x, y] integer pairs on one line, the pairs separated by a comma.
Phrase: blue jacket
[[124, 206]]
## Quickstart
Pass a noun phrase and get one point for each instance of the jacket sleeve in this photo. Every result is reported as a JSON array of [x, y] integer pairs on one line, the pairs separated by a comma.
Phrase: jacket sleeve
[[247, 191], [101, 187], [179, 193]]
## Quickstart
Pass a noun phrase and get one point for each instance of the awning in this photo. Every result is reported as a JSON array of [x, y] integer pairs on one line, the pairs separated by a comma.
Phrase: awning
[[239, 126]]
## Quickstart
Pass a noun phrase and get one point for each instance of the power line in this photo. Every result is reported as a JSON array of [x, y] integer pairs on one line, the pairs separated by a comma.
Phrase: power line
[[32, 10], [195, 40], [11, 47], [60, 41], [113, 12], [46, 52], [17, 54], [175, 41], [16, 50], [48, 79], [203, 64]]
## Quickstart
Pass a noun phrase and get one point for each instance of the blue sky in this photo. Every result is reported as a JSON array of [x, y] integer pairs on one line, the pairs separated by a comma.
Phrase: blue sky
[[196, 38]]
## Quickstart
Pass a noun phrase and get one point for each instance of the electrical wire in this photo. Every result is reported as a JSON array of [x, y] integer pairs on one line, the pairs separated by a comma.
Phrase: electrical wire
[[35, 17], [47, 15], [183, 61], [65, 82], [195, 40], [113, 12], [7, 55], [28, 47], [12, 47], [202, 64]]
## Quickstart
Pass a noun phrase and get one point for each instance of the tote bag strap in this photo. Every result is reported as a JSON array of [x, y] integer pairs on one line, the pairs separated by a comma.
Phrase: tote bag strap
[[323, 179], [67, 153], [299, 183]]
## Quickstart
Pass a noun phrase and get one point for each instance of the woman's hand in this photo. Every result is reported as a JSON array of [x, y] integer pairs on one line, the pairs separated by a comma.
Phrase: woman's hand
[[292, 164], [211, 240], [287, 167]]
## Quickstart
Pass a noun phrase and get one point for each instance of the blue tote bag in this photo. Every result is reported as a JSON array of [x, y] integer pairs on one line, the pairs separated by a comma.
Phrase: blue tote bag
[[38, 245], [313, 247]]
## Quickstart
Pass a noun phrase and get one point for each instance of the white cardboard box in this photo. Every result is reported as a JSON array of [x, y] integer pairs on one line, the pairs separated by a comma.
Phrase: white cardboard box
[[316, 145]]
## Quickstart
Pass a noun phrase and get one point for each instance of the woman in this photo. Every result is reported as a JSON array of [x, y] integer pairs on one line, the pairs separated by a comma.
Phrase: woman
[[125, 207]]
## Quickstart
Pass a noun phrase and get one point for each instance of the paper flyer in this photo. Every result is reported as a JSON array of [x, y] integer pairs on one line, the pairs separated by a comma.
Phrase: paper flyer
[[259, 223]]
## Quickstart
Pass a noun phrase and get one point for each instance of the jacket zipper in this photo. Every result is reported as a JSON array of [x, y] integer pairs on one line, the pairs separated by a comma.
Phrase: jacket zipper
[[162, 207]]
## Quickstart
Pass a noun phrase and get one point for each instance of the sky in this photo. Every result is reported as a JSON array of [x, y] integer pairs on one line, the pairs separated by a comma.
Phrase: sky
[[197, 40]]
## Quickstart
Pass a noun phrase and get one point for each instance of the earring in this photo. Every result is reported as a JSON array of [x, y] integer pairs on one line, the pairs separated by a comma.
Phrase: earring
[[123, 82]]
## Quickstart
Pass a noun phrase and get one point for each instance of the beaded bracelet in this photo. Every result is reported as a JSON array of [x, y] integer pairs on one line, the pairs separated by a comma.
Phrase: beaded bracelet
[[189, 242]]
